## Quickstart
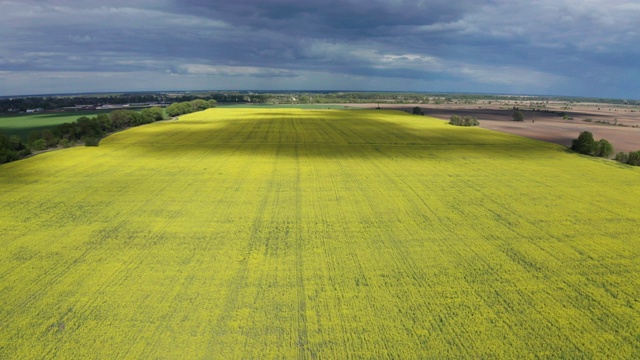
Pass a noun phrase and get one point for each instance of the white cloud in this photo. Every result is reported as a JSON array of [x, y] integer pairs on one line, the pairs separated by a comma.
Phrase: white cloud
[[233, 71], [409, 61]]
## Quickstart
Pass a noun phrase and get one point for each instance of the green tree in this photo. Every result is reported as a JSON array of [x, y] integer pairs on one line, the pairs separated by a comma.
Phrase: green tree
[[634, 158], [622, 157], [4, 142], [154, 113], [604, 148], [34, 135], [470, 121], [518, 116], [88, 127], [199, 105], [121, 119], [175, 109], [455, 120], [463, 121], [584, 144], [105, 122], [39, 145], [7, 156], [417, 111], [15, 143], [90, 141]]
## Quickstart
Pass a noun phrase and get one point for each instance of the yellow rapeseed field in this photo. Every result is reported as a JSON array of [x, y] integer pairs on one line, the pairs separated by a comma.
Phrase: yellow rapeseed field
[[318, 234]]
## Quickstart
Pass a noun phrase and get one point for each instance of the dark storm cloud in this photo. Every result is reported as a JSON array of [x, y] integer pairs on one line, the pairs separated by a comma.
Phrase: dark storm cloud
[[543, 46], [331, 18]]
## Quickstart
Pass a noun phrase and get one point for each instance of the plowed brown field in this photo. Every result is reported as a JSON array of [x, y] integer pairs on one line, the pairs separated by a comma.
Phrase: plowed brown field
[[545, 126]]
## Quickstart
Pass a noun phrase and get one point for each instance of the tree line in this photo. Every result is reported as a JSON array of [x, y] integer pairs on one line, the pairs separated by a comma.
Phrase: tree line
[[631, 158], [587, 145], [186, 107], [50, 102], [89, 131], [12, 148], [23, 103], [463, 121]]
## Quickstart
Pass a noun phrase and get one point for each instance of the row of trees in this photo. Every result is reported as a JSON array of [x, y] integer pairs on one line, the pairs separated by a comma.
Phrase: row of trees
[[90, 130], [587, 145], [631, 158], [463, 121], [12, 148], [21, 104], [186, 107], [84, 130]]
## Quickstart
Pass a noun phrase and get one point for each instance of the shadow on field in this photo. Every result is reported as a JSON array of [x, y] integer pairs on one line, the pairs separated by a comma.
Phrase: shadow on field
[[24, 132], [55, 115], [329, 134]]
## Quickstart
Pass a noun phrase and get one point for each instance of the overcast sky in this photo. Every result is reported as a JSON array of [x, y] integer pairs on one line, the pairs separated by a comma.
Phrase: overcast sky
[[565, 47]]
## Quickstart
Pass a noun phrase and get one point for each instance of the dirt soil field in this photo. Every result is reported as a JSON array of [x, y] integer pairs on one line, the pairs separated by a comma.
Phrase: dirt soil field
[[545, 126]]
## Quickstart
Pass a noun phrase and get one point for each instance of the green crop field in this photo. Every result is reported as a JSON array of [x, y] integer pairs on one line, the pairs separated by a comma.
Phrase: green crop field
[[328, 234], [22, 125]]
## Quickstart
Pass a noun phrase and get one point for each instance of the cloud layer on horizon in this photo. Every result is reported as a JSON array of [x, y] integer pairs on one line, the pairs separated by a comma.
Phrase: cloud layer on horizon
[[494, 46]]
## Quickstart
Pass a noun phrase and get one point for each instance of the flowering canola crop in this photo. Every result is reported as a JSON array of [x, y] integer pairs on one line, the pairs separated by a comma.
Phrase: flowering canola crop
[[288, 233]]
